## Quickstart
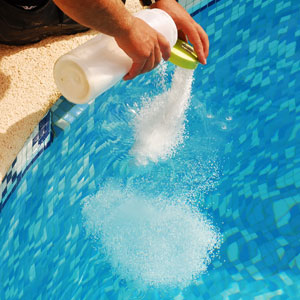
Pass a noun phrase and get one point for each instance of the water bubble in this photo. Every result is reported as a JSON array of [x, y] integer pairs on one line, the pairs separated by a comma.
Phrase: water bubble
[[159, 126], [154, 242]]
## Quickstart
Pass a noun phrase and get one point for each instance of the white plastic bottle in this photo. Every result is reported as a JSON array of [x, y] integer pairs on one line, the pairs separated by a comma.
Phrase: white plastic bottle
[[89, 70]]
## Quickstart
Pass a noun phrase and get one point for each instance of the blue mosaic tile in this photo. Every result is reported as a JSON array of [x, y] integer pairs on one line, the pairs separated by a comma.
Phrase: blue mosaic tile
[[14, 177], [39, 140], [35, 140], [64, 113], [14, 162], [4, 192], [44, 132], [44, 122]]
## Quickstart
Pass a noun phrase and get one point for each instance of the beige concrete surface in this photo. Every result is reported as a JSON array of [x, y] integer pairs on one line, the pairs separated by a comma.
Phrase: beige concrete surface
[[27, 89]]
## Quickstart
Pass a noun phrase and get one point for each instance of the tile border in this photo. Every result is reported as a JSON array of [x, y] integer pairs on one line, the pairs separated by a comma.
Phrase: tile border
[[203, 6], [39, 140]]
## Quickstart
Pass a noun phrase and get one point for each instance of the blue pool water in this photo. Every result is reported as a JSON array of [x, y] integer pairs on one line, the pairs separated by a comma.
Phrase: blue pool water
[[238, 167]]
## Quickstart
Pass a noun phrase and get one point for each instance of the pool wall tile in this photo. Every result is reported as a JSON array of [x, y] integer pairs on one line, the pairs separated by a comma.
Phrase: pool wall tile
[[64, 113], [56, 121], [39, 140]]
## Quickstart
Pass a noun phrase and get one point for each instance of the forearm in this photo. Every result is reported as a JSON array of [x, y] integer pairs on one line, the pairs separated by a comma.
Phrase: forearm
[[136, 38], [107, 16]]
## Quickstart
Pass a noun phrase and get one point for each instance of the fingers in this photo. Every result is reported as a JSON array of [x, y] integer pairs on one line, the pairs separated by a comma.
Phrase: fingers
[[135, 70], [182, 36], [158, 56], [204, 39], [195, 39], [198, 37], [188, 28], [160, 49], [164, 47], [150, 63], [143, 67]]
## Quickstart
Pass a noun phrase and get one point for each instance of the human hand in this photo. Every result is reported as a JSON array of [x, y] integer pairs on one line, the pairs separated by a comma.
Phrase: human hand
[[187, 27], [144, 46]]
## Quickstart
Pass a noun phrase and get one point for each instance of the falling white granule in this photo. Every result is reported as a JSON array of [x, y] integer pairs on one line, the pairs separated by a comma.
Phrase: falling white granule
[[153, 242], [159, 125]]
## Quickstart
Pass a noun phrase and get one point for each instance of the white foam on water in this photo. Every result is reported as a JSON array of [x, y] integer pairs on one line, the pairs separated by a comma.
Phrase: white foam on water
[[152, 242], [159, 125]]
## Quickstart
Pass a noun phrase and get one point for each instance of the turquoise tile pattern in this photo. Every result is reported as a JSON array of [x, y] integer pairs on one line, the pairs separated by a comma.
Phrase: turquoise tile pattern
[[64, 113], [39, 140], [195, 6], [245, 107]]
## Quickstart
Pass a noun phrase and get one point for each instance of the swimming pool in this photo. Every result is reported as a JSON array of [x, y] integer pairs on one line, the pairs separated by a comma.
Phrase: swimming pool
[[239, 163]]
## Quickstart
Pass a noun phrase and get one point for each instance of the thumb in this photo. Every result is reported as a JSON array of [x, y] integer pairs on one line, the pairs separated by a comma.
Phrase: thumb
[[135, 70]]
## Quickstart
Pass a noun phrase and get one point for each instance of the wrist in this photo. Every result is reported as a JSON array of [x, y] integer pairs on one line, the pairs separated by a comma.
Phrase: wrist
[[125, 27]]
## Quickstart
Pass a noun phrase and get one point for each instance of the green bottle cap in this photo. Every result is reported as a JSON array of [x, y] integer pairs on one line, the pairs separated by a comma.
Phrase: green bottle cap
[[183, 55]]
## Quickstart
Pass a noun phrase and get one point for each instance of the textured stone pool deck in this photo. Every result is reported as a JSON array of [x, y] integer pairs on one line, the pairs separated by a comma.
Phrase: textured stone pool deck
[[27, 88]]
